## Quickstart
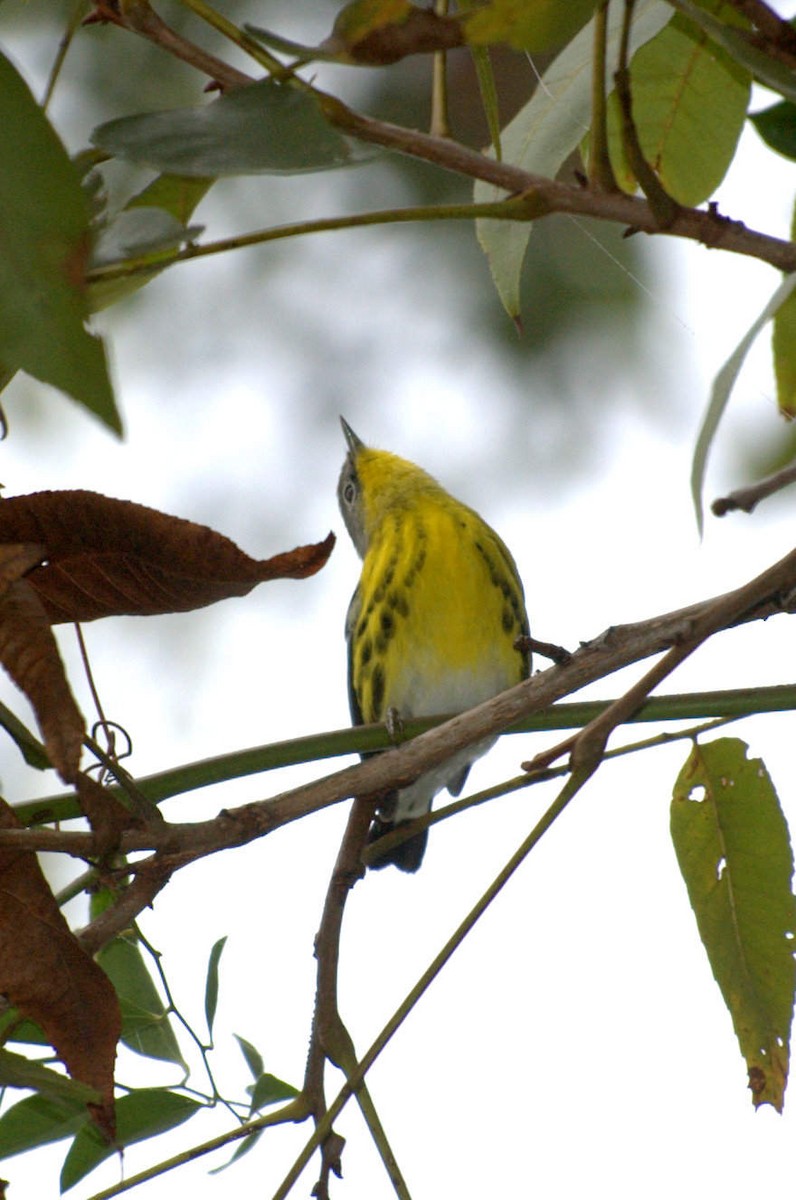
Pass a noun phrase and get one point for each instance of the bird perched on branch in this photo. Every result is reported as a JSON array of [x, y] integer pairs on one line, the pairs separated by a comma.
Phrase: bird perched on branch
[[433, 625]]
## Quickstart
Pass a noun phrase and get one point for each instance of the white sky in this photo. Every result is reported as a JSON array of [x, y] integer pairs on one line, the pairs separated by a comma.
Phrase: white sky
[[577, 1044]]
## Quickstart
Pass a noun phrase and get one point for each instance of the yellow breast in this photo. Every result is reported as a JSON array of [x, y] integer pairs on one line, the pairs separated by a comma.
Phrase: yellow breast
[[440, 607]]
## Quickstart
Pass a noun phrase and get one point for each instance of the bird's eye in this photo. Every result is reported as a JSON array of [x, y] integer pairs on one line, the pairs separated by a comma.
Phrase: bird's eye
[[349, 492]]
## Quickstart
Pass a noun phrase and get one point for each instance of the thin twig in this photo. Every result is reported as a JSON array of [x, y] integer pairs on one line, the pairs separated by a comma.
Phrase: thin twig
[[747, 498], [601, 173], [329, 1038], [663, 206], [440, 117]]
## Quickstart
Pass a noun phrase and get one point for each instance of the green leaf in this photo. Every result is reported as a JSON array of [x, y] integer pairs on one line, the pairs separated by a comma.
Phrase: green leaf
[[243, 1147], [721, 390], [21, 1072], [765, 69], [146, 1028], [44, 219], [28, 744], [137, 231], [265, 128], [140, 1115], [536, 26], [546, 131], [177, 194], [254, 1059], [270, 1090], [211, 983], [689, 106], [38, 1120], [783, 343], [173, 197], [734, 852], [777, 127], [15, 1028]]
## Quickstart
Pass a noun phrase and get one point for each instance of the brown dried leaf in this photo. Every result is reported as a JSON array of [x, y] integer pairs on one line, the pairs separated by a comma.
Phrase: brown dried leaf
[[29, 653], [380, 32], [109, 557], [46, 974]]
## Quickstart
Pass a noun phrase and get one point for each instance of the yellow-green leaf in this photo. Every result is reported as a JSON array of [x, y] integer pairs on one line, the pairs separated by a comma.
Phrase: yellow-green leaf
[[735, 855], [689, 105], [545, 132], [784, 347], [533, 25]]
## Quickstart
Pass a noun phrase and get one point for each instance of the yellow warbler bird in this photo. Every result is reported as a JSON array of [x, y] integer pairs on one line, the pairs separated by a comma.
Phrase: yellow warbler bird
[[433, 623]]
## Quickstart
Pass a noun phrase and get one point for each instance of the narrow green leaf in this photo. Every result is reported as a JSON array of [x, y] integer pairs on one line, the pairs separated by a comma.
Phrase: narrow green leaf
[[777, 127], [489, 96], [140, 1115], [243, 1147], [44, 219], [689, 106], [146, 1028], [546, 131], [265, 128], [254, 1059], [21, 1072], [211, 983], [733, 848], [28, 744], [38, 1120], [783, 344], [270, 1090], [721, 390]]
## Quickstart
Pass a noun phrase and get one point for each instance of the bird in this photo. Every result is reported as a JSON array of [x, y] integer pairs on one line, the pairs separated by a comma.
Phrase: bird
[[436, 624]]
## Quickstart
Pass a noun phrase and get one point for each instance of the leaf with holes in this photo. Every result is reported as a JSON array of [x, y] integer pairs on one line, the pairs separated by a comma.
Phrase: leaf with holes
[[734, 852]]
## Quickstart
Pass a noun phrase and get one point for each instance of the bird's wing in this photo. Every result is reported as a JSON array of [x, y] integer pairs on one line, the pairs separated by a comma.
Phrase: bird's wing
[[352, 616]]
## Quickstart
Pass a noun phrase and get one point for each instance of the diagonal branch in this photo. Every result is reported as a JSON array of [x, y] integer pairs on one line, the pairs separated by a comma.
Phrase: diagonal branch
[[177, 845]]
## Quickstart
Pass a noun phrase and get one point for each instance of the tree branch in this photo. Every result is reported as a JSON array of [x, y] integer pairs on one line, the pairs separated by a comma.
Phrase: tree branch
[[534, 196], [747, 498], [773, 591]]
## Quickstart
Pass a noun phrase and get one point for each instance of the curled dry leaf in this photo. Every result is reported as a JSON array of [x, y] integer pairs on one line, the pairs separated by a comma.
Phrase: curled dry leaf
[[46, 974], [29, 653], [109, 557], [372, 35]]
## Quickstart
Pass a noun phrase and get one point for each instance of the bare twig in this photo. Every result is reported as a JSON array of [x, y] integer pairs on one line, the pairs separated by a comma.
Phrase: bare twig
[[601, 173], [747, 498], [329, 1038], [140, 18]]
